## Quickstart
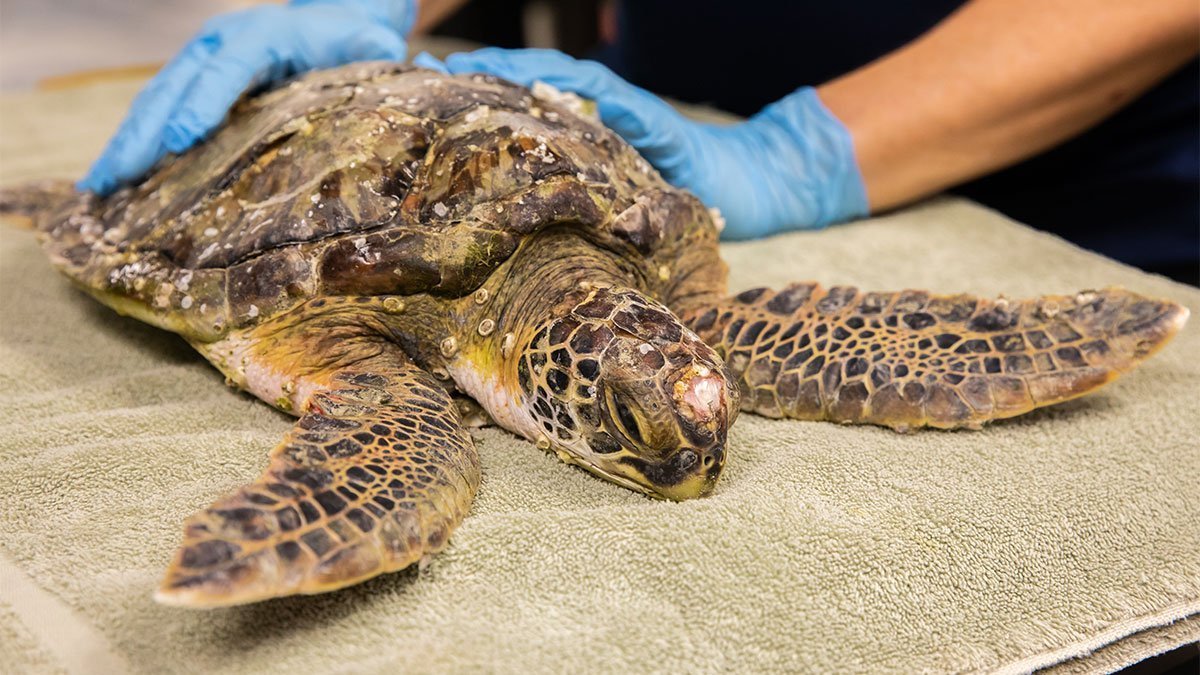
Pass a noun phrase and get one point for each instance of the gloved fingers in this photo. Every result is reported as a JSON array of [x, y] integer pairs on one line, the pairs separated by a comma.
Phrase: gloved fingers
[[427, 60], [399, 15], [137, 145], [243, 61], [232, 53], [641, 118], [268, 45], [375, 42], [524, 66], [222, 23]]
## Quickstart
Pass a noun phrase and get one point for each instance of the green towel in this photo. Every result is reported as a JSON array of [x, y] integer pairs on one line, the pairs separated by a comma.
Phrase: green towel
[[825, 548]]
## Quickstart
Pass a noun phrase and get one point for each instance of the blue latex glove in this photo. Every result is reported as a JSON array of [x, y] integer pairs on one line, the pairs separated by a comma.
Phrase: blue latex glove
[[789, 167], [235, 52]]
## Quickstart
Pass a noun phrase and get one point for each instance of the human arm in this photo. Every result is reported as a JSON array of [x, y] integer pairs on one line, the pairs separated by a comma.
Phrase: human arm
[[1000, 81], [430, 13], [791, 166], [997, 82]]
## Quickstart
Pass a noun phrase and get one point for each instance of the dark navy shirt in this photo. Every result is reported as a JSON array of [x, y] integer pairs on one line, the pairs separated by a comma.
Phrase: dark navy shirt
[[1128, 188]]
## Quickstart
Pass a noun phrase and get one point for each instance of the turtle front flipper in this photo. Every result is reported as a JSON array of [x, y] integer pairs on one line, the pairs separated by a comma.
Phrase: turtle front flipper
[[911, 359], [374, 476]]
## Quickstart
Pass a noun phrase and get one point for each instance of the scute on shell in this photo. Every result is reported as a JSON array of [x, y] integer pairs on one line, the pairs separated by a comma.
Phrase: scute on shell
[[372, 178]]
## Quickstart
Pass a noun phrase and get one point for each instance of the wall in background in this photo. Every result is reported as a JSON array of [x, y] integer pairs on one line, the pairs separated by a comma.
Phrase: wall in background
[[41, 38]]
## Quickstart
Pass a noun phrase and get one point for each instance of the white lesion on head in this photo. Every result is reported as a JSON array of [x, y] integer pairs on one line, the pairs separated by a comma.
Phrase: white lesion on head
[[700, 393]]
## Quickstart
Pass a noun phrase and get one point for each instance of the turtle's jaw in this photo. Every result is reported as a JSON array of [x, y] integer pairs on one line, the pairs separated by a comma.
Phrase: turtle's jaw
[[687, 475], [697, 477]]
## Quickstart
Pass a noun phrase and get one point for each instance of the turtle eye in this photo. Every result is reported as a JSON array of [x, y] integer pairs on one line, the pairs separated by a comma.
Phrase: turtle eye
[[627, 421]]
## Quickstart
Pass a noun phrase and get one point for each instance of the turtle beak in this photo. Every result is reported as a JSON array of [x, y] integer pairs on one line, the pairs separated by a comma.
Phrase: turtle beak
[[701, 477], [687, 474], [706, 405]]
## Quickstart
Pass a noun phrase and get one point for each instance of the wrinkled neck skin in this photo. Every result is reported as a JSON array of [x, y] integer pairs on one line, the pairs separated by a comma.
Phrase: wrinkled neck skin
[[562, 348], [544, 279]]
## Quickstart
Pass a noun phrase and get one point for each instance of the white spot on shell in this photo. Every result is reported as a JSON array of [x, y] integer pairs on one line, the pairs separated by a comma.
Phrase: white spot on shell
[[449, 347], [478, 112], [542, 153], [252, 312], [717, 218], [440, 209], [186, 302], [481, 296], [486, 327], [506, 345], [645, 348], [210, 232], [569, 100]]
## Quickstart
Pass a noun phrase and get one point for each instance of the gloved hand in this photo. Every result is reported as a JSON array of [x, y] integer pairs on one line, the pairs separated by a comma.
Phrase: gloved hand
[[791, 166], [236, 52]]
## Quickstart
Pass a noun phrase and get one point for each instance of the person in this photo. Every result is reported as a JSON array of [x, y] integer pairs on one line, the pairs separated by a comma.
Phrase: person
[[1080, 117]]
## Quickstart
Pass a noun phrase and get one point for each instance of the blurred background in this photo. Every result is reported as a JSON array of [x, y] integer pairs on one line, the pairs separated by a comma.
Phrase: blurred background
[[47, 38]]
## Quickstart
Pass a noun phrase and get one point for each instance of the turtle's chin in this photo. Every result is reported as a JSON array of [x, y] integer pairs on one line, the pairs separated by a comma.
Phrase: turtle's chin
[[687, 474]]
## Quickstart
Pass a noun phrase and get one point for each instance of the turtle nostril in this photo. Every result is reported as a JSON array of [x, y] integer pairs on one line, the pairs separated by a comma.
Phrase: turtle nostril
[[714, 457]]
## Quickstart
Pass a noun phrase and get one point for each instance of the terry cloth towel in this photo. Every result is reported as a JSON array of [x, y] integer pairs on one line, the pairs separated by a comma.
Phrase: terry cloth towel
[[1070, 532]]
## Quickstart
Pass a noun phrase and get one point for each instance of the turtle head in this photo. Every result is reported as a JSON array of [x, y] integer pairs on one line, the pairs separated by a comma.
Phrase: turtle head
[[622, 388]]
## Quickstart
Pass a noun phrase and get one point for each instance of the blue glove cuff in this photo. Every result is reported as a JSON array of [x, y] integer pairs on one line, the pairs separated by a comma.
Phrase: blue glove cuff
[[816, 154], [399, 15]]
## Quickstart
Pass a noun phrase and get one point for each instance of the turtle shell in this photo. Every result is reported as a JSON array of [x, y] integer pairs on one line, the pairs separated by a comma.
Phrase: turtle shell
[[372, 178]]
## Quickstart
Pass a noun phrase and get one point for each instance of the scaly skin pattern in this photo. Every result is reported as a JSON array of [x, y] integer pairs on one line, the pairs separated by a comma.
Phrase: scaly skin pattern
[[356, 246], [376, 474], [566, 351], [912, 359]]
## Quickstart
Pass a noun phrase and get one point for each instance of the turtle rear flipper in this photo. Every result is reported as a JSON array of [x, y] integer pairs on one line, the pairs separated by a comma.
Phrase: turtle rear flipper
[[41, 202], [911, 359], [373, 477]]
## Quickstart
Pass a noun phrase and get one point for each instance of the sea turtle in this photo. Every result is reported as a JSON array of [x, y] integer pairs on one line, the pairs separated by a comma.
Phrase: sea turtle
[[366, 244]]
